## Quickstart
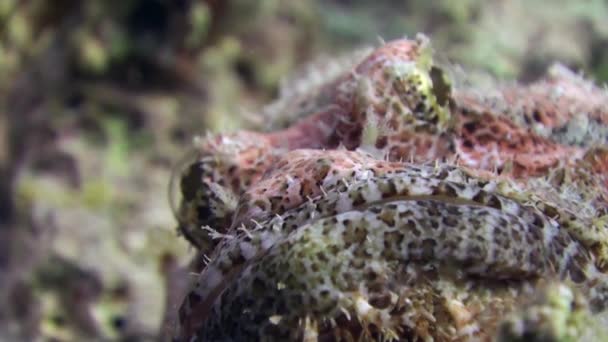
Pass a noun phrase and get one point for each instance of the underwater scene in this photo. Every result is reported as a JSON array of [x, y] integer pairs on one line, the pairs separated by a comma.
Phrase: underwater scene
[[311, 170]]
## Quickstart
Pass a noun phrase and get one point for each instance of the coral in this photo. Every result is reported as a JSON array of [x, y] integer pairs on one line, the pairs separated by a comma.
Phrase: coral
[[397, 206]]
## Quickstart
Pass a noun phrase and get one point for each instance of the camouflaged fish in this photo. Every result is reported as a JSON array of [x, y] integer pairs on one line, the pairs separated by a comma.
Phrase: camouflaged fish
[[395, 207]]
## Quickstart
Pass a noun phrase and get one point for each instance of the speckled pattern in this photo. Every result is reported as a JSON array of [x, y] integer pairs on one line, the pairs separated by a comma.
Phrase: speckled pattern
[[399, 210]]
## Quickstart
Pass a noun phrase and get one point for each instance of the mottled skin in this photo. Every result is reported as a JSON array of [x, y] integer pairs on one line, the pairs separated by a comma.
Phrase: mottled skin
[[373, 217], [556, 313], [382, 216], [563, 107], [396, 104]]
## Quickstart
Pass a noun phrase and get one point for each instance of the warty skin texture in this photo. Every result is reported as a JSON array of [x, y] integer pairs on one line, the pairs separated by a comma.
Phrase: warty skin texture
[[401, 209]]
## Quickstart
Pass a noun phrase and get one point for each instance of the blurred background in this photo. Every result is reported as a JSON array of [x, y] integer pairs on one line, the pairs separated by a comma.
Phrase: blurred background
[[99, 99]]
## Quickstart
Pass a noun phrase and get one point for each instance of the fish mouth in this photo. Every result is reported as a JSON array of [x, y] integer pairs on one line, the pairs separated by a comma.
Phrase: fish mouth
[[202, 310], [510, 270]]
